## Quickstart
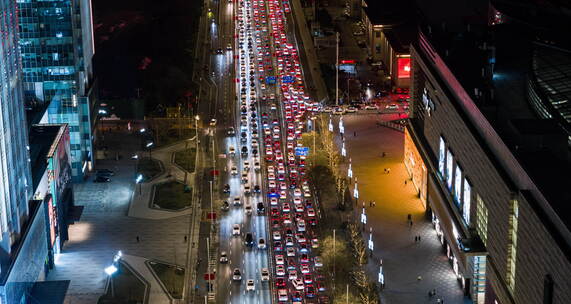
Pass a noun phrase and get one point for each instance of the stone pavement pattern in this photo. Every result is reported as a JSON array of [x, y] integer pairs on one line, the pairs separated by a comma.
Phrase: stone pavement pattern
[[403, 259], [105, 228]]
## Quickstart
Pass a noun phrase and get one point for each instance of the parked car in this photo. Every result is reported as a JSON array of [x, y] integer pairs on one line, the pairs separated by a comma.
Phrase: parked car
[[101, 179]]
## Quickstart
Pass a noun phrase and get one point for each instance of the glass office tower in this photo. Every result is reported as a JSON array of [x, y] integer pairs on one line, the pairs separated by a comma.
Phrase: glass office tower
[[57, 47], [15, 176]]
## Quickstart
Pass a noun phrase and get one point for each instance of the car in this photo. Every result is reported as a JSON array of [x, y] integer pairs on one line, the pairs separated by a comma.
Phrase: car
[[296, 297], [280, 259], [246, 165], [358, 33], [226, 188], [213, 122], [304, 268], [306, 193], [231, 131], [276, 235], [318, 261], [250, 286], [292, 274], [290, 252], [218, 50], [249, 239], [307, 279], [301, 225], [280, 270], [314, 243], [265, 274], [257, 166], [371, 107], [225, 206], [236, 230], [247, 189], [338, 111], [236, 274], [310, 212], [321, 287], [282, 295], [297, 192], [309, 292], [297, 284], [232, 150], [229, 45], [223, 257], [351, 110], [237, 201], [392, 106], [101, 179], [248, 208], [233, 170], [261, 243], [105, 172]]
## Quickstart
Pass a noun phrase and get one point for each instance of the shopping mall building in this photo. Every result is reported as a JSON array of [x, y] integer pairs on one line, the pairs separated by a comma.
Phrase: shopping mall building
[[492, 173]]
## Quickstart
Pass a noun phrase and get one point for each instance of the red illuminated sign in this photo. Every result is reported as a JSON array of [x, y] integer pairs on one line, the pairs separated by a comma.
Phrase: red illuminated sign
[[348, 61], [403, 65]]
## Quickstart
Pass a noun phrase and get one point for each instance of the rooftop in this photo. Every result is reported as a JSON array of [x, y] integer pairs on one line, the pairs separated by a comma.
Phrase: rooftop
[[538, 145], [42, 138], [386, 12]]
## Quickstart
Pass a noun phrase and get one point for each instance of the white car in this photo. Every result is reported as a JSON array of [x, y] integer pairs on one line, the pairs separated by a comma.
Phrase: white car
[[237, 201], [232, 150], [236, 230], [257, 167], [371, 107], [306, 193], [276, 235], [262, 244], [248, 209], [234, 170], [280, 259], [297, 284], [318, 261], [250, 286], [297, 192], [265, 273], [283, 295], [392, 106], [301, 225], [246, 166]]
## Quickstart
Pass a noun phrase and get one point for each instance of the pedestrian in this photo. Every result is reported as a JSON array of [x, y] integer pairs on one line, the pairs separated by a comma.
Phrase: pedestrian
[[384, 154], [385, 170], [415, 239], [410, 224], [374, 203], [419, 238], [354, 133], [138, 239], [185, 238], [405, 181], [419, 278], [409, 217], [388, 170], [370, 203]]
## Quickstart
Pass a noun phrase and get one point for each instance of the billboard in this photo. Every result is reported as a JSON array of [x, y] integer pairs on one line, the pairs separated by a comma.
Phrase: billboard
[[403, 67]]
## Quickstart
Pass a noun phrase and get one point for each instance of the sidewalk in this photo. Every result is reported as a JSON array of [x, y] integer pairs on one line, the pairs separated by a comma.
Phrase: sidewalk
[[105, 228], [142, 195], [404, 260]]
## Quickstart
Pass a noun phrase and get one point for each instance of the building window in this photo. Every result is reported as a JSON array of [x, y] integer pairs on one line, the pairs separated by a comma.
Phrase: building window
[[467, 202], [458, 186], [482, 219], [449, 168], [378, 34], [512, 244], [441, 156]]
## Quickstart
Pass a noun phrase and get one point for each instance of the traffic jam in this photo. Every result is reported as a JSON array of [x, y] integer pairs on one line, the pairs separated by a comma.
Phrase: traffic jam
[[273, 111]]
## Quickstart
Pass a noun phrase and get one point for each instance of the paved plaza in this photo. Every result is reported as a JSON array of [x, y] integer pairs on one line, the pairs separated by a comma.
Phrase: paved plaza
[[404, 260], [105, 228]]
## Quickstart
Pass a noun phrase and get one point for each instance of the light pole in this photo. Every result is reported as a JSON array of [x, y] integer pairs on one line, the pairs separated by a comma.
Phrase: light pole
[[337, 71], [138, 181], [112, 269], [196, 119], [150, 146], [334, 255], [211, 204], [314, 119]]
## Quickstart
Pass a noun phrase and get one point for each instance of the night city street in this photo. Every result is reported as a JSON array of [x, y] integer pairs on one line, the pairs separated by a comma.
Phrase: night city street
[[285, 151]]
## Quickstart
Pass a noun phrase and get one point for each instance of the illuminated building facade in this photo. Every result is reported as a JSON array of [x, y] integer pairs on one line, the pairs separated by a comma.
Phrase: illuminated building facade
[[57, 48]]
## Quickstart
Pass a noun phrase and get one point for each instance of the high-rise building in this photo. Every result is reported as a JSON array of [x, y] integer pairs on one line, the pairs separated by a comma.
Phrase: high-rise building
[[57, 49], [15, 180]]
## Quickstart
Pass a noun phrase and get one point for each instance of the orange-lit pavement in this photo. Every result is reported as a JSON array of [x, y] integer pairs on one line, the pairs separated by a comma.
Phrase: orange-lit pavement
[[404, 260]]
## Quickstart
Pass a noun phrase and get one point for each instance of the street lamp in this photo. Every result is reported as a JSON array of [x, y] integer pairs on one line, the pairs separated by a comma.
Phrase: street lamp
[[330, 124], [350, 170], [142, 130], [196, 119], [150, 146], [111, 270], [138, 181], [341, 127], [343, 150], [313, 118]]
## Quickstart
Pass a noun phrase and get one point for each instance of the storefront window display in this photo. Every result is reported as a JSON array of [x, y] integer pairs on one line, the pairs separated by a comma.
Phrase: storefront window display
[[441, 156], [467, 202]]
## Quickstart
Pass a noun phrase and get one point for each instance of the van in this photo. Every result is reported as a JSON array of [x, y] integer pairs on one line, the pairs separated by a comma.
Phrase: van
[[248, 208]]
